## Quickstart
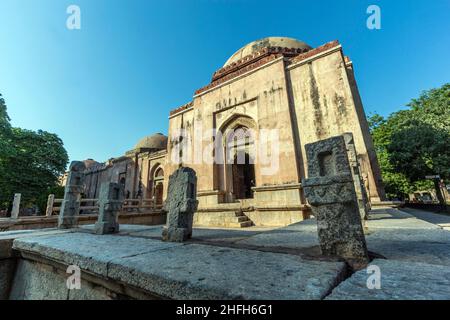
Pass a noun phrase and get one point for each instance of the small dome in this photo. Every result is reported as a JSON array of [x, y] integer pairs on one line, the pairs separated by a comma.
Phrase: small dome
[[257, 45], [156, 141]]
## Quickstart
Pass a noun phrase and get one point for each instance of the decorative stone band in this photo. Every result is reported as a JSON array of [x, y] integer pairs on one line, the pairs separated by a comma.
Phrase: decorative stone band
[[250, 59], [239, 72], [202, 193], [260, 58], [255, 60], [278, 187], [182, 108], [301, 207], [330, 193], [313, 52]]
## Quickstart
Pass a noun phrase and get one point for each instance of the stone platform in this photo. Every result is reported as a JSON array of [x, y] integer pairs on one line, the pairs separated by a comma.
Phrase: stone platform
[[251, 263]]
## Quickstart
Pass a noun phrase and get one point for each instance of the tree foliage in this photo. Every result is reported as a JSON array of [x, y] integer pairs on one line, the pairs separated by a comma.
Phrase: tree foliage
[[30, 162], [414, 143]]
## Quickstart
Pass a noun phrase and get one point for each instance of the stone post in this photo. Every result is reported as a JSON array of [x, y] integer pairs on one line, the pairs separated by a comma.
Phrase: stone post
[[361, 194], [330, 191], [70, 207], [110, 203], [16, 206], [50, 203], [181, 203]]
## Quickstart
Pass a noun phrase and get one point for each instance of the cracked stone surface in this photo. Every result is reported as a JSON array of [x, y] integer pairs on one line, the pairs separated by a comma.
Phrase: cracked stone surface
[[399, 281], [190, 271], [88, 251], [238, 263], [208, 272]]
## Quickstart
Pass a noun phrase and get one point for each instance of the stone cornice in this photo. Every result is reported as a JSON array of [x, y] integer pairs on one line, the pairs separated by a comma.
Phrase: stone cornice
[[330, 46], [182, 108], [255, 61], [247, 64], [250, 59]]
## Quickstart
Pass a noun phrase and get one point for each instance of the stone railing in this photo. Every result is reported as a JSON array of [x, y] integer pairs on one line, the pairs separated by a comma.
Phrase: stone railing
[[90, 206]]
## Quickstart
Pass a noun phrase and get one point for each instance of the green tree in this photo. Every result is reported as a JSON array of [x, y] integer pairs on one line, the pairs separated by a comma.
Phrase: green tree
[[5, 148], [30, 162], [414, 143]]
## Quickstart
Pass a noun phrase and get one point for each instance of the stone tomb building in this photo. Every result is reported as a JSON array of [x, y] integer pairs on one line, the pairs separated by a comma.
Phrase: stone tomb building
[[277, 83]]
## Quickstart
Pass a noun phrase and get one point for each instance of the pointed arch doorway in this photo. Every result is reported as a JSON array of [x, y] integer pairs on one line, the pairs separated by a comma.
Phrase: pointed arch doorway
[[243, 175], [237, 174]]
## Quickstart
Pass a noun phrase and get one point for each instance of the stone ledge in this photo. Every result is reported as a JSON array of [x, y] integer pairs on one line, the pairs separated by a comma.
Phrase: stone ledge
[[191, 271], [399, 281], [278, 187]]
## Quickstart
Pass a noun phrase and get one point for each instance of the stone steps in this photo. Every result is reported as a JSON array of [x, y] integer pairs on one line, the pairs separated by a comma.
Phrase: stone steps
[[228, 219]]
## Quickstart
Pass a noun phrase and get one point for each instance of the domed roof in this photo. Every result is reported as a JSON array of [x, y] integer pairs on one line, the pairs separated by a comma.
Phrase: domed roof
[[155, 141], [257, 45]]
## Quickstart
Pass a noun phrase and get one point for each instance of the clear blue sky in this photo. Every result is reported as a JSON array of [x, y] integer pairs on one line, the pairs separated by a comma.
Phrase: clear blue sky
[[114, 81]]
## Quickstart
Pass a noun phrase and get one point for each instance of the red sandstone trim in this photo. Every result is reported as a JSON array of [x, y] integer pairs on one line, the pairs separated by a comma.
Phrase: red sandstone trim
[[315, 51], [249, 59], [255, 60], [182, 108], [260, 58], [240, 71]]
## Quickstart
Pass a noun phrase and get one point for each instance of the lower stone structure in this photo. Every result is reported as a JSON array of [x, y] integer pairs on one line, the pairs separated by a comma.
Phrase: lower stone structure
[[180, 205], [330, 191], [269, 100], [110, 205], [72, 194], [361, 193]]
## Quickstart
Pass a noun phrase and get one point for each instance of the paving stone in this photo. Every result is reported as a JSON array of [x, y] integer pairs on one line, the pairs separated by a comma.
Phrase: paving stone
[[396, 219], [299, 235], [88, 251], [431, 246], [198, 271], [399, 281]]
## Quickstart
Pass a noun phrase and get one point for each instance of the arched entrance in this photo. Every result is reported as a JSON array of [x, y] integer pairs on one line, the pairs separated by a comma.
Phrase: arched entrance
[[159, 186], [237, 174], [243, 177]]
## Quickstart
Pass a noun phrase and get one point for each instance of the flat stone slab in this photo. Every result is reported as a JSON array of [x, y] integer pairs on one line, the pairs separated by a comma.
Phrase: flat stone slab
[[30, 233], [396, 219], [440, 219], [196, 271], [125, 229], [189, 271], [88, 251], [297, 236], [399, 281], [430, 246], [205, 234]]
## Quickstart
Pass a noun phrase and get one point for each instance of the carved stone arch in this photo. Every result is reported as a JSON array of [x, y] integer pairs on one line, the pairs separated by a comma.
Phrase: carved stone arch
[[236, 179], [156, 183], [236, 121]]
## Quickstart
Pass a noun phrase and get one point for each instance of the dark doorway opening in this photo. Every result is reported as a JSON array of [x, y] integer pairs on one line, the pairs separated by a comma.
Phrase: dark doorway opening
[[243, 178]]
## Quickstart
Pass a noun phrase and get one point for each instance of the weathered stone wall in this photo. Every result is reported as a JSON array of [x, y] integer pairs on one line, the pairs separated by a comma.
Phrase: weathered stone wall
[[252, 98], [137, 169], [324, 106]]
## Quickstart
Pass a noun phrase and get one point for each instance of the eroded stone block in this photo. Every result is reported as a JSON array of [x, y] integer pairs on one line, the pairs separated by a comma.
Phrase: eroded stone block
[[70, 207], [110, 203], [330, 191], [180, 205]]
